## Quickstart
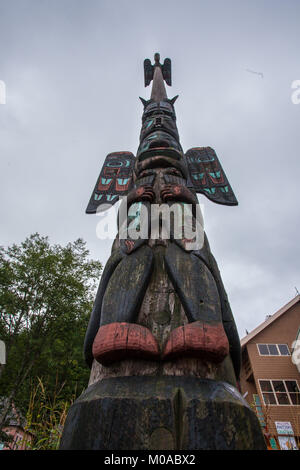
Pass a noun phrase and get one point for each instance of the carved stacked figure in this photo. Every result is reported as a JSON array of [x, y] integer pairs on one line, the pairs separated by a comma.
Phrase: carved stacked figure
[[161, 342]]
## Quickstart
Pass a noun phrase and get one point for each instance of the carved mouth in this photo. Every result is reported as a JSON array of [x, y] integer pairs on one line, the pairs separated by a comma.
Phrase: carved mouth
[[163, 151], [159, 144]]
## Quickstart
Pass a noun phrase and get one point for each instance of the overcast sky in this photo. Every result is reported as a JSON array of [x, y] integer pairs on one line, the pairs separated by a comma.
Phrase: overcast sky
[[73, 72]]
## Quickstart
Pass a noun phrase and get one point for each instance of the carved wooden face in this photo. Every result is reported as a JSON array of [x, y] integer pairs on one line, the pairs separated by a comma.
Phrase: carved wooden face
[[159, 121], [159, 177], [159, 140], [159, 131]]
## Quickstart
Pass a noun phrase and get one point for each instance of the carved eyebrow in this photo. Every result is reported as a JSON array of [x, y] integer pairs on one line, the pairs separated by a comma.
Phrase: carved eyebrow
[[146, 173], [174, 171]]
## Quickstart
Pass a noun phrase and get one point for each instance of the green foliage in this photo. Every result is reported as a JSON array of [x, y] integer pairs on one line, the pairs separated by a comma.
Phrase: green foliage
[[46, 417], [46, 296]]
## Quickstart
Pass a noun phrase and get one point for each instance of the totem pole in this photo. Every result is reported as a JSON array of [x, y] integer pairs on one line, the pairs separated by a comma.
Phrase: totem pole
[[161, 343]]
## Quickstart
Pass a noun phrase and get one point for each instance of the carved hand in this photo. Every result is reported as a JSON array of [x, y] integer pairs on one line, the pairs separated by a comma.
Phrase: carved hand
[[178, 193], [143, 193]]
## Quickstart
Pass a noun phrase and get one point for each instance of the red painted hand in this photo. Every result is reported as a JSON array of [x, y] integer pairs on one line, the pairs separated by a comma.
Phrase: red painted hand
[[170, 191], [178, 193], [143, 193]]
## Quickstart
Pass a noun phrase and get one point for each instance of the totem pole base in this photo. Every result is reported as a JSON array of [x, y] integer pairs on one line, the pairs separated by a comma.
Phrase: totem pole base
[[161, 413]]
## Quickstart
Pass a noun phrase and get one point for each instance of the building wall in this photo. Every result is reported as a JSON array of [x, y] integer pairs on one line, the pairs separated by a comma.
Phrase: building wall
[[21, 439], [281, 331]]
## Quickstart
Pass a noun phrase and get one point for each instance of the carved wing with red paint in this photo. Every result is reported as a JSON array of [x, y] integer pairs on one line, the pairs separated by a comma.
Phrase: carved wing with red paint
[[115, 180], [208, 177]]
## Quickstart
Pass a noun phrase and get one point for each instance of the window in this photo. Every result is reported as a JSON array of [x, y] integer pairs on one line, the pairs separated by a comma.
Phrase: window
[[293, 391], [280, 392], [267, 392], [284, 350], [273, 350], [263, 349]]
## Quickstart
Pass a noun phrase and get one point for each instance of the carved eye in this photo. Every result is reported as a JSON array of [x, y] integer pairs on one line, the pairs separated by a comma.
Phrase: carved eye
[[146, 173], [175, 172]]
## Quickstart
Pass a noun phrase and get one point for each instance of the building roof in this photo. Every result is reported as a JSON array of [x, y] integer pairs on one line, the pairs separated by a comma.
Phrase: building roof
[[270, 319]]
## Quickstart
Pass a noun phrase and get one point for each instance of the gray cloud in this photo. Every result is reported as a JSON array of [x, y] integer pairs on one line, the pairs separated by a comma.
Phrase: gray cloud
[[73, 72]]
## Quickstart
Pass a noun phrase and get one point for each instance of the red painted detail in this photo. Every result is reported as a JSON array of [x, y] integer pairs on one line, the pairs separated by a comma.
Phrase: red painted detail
[[121, 153], [219, 180], [103, 187], [188, 240], [177, 189], [202, 181], [198, 339], [119, 341], [123, 187], [129, 245], [109, 172]]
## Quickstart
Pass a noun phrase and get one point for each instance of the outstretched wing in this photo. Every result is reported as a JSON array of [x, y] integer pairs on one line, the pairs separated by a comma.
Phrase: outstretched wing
[[148, 71], [115, 180], [208, 177], [166, 70]]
